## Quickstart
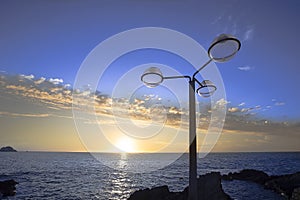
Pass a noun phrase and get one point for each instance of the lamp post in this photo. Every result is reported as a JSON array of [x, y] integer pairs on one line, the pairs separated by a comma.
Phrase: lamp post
[[222, 49]]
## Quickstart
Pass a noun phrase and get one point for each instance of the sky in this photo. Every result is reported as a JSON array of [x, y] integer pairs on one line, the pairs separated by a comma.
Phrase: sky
[[44, 43]]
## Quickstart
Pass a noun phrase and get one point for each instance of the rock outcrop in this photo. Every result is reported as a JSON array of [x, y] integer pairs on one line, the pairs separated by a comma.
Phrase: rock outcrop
[[7, 188], [7, 149], [296, 194], [285, 185], [209, 188], [256, 176], [156, 193]]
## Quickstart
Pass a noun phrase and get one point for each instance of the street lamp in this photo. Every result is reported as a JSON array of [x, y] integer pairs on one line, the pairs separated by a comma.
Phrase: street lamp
[[206, 89], [222, 49]]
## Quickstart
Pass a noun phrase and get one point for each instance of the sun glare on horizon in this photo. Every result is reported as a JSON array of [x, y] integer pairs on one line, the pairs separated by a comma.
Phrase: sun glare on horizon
[[126, 145]]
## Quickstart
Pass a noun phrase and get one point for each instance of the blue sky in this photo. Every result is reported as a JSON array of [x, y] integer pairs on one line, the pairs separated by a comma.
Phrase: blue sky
[[52, 38]]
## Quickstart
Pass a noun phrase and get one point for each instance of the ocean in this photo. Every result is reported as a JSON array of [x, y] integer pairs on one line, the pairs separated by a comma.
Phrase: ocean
[[74, 176]]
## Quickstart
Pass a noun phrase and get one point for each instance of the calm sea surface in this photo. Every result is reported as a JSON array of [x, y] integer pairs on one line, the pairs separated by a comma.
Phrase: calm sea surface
[[80, 176]]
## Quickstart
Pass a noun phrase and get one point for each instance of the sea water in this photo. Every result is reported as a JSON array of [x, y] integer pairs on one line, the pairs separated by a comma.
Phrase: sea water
[[47, 175]]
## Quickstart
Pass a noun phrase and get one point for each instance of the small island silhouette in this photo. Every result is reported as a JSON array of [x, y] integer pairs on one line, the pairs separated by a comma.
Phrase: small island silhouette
[[7, 149]]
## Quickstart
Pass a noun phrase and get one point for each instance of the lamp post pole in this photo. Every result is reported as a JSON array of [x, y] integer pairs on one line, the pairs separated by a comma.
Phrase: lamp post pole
[[193, 142], [193, 136]]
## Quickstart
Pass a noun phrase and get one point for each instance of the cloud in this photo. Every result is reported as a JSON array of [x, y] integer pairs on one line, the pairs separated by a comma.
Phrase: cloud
[[39, 81], [233, 109], [56, 81], [244, 110], [53, 99], [43, 99], [242, 104], [245, 68], [260, 126], [279, 104], [24, 114], [67, 85], [219, 18], [222, 102], [29, 77], [41, 92], [248, 34], [255, 108]]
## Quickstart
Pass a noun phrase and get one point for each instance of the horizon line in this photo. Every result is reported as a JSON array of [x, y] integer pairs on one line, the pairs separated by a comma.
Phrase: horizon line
[[44, 151]]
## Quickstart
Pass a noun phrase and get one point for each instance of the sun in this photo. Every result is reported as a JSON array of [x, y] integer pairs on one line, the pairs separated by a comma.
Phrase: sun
[[125, 145]]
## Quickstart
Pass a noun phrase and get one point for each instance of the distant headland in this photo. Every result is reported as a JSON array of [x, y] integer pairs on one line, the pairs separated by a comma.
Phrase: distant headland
[[7, 149]]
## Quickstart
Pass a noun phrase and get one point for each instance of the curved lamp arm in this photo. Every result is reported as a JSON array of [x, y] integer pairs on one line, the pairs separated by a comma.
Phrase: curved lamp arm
[[176, 77], [203, 66]]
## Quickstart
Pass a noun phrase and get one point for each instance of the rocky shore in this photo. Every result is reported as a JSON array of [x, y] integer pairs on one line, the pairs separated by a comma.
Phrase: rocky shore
[[285, 185], [210, 187], [7, 188]]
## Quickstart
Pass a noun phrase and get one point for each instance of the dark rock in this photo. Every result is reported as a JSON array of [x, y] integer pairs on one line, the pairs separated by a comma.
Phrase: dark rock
[[149, 194], [7, 149], [285, 184], [7, 188], [209, 188], [296, 194], [256, 176]]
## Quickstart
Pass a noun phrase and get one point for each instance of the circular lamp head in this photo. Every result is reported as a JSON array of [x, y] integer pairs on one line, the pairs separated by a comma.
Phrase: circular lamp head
[[206, 89], [152, 77], [223, 48]]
